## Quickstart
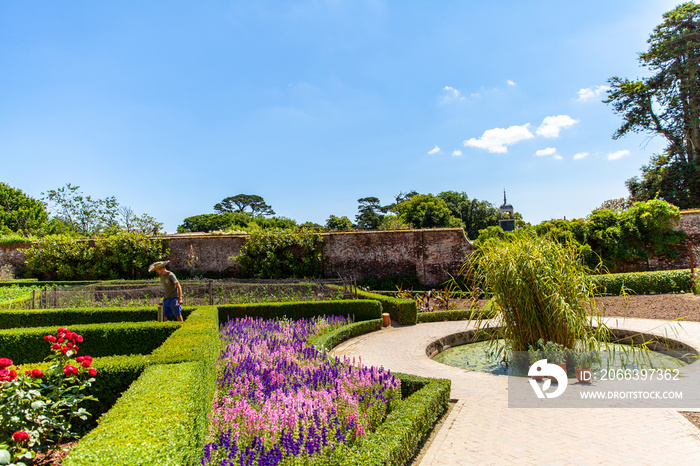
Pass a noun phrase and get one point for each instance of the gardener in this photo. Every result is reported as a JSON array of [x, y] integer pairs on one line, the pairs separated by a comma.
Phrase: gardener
[[172, 299]]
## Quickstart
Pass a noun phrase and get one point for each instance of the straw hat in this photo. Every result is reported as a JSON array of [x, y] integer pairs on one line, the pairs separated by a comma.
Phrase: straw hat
[[157, 265]]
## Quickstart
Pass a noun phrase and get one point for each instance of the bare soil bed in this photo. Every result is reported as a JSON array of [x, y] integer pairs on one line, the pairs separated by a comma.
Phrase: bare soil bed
[[659, 306]]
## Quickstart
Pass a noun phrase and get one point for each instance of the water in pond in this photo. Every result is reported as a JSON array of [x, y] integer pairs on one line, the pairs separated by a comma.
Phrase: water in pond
[[480, 357]]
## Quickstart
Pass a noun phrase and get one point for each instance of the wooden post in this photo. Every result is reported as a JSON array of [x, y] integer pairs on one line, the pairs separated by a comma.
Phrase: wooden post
[[211, 292], [160, 311], [45, 301], [55, 297], [34, 298]]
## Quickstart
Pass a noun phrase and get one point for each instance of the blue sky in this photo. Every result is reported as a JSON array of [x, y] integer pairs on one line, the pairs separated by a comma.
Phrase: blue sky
[[171, 106]]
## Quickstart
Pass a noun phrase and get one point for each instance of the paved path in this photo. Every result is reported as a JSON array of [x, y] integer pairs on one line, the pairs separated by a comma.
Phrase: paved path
[[482, 429]]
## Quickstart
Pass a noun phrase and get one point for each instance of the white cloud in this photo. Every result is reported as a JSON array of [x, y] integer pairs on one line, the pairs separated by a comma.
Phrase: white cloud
[[434, 150], [545, 152], [456, 153], [619, 154], [495, 140], [452, 93], [591, 93], [511, 83], [551, 125], [580, 155]]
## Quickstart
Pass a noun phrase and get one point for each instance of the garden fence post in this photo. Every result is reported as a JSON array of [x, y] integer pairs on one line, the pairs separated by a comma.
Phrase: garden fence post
[[55, 297], [45, 301], [160, 311], [211, 292], [34, 298]]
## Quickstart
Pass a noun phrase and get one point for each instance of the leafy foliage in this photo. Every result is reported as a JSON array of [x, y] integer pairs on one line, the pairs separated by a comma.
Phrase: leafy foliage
[[666, 103], [281, 253], [20, 213], [613, 236], [228, 221], [427, 211], [370, 213], [123, 255], [474, 214], [338, 223]]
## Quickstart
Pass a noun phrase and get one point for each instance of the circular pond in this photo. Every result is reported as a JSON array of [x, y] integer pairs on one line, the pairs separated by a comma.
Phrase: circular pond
[[484, 356]]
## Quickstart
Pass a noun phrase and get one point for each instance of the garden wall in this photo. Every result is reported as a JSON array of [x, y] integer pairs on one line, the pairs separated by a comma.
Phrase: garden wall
[[428, 254], [690, 223]]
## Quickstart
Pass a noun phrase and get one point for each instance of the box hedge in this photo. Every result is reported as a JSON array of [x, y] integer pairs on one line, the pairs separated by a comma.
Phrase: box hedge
[[77, 316], [152, 423], [27, 345], [398, 438], [459, 314], [330, 340], [361, 309], [664, 281], [403, 311]]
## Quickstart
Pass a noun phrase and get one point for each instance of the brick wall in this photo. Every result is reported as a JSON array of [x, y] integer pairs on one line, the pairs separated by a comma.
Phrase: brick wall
[[690, 223], [429, 254]]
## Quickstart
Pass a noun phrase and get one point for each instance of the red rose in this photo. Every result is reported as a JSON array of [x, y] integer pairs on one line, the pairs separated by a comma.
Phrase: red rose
[[20, 436], [69, 335], [28, 373], [80, 359], [61, 331], [92, 372], [86, 363], [69, 345], [60, 340], [75, 348], [4, 362], [55, 346], [64, 350], [37, 373], [78, 338], [70, 370], [13, 374]]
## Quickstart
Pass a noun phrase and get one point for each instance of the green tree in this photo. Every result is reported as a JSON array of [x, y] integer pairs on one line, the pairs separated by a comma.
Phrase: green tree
[[216, 222], [338, 223], [474, 214], [666, 103], [427, 211], [241, 202], [83, 214], [20, 213], [370, 213]]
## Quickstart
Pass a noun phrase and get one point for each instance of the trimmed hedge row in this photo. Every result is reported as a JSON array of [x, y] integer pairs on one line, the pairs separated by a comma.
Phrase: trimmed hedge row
[[331, 339], [151, 424], [460, 314], [362, 309], [664, 281], [173, 397], [77, 316], [396, 440], [403, 311], [108, 339]]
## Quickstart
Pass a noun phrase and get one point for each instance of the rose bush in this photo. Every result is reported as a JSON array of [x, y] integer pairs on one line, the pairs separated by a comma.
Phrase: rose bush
[[37, 408]]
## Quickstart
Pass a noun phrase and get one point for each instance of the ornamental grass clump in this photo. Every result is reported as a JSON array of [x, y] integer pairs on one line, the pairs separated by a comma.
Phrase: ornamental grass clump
[[281, 401], [541, 290], [37, 408]]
